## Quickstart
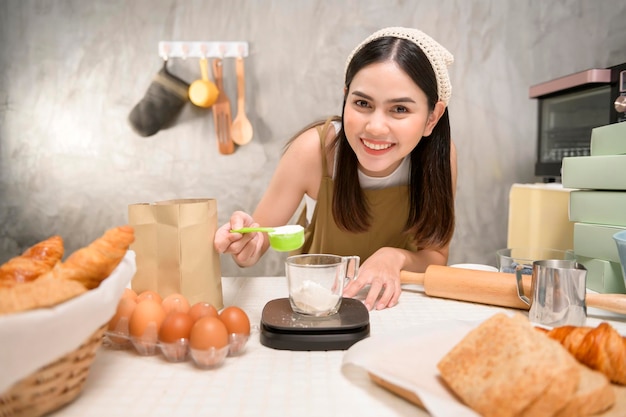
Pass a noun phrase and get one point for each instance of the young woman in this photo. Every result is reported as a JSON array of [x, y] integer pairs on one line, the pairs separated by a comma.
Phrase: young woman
[[379, 182]]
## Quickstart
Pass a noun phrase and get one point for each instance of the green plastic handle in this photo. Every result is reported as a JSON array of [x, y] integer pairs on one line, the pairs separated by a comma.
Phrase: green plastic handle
[[253, 229]]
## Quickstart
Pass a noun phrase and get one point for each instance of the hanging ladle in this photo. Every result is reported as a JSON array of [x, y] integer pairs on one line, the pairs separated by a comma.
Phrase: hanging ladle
[[203, 92], [282, 238]]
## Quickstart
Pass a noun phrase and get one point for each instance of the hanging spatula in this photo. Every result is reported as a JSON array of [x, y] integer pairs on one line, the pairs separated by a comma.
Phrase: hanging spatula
[[221, 112]]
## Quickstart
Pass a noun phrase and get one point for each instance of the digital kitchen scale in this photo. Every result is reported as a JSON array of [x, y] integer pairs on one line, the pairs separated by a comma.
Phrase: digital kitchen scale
[[282, 328]]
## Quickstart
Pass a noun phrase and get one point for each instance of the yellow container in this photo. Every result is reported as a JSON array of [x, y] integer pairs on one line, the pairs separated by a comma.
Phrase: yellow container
[[538, 217]]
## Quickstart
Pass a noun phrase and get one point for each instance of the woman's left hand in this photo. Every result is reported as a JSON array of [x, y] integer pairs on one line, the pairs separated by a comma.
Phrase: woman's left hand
[[381, 272]]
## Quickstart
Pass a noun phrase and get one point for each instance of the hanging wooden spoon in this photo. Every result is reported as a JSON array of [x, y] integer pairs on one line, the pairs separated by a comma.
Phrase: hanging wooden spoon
[[241, 127]]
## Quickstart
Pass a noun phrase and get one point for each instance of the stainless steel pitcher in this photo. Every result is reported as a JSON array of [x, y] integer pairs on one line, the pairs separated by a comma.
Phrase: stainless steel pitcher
[[558, 290]]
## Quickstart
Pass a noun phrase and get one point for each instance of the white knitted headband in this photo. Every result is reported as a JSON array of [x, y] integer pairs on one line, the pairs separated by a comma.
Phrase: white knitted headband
[[440, 58]]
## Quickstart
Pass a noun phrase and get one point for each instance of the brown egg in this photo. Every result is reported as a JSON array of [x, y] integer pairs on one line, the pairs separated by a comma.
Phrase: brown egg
[[202, 309], [146, 320], [175, 302], [177, 325], [208, 332], [129, 293], [236, 320], [120, 321], [149, 295]]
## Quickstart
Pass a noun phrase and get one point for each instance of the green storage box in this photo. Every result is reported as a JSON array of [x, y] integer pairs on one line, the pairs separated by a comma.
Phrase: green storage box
[[603, 276], [609, 140]]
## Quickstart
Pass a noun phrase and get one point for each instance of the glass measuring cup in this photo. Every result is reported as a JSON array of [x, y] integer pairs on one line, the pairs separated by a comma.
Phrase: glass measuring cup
[[316, 282]]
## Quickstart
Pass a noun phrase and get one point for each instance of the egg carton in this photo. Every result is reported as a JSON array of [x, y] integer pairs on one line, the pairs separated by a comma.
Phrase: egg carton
[[177, 351]]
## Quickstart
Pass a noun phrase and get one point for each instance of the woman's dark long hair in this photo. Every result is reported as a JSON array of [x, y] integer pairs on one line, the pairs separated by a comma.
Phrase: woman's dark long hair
[[431, 212]]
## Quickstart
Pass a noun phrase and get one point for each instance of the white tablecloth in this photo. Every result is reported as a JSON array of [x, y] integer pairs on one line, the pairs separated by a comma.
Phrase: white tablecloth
[[264, 381]]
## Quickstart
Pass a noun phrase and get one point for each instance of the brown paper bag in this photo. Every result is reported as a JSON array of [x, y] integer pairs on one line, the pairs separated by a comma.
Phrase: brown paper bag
[[174, 249]]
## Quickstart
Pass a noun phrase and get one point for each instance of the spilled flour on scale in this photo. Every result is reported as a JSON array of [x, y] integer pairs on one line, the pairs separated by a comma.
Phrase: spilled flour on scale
[[312, 298]]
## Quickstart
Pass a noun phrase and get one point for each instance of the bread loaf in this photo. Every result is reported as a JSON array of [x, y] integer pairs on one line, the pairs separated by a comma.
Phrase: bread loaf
[[504, 367], [593, 395]]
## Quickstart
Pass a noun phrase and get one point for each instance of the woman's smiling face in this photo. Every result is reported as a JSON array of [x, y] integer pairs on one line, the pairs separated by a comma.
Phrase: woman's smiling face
[[385, 116]]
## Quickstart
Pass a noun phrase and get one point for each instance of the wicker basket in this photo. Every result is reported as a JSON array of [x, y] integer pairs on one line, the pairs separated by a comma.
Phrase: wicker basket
[[54, 385]]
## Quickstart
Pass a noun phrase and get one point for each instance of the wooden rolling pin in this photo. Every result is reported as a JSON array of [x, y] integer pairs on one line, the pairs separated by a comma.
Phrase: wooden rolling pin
[[494, 288]]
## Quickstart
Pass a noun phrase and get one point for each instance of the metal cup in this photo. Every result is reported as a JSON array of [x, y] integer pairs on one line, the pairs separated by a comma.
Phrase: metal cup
[[558, 290]]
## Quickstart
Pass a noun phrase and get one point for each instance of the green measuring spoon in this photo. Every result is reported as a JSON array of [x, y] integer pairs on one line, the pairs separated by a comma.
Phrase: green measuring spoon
[[282, 238]]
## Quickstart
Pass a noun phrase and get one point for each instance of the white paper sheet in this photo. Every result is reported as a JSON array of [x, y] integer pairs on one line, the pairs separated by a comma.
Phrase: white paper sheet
[[32, 339], [410, 361]]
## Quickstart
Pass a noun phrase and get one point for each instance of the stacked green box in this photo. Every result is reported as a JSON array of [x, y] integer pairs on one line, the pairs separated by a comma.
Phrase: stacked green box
[[603, 275], [597, 206], [609, 140]]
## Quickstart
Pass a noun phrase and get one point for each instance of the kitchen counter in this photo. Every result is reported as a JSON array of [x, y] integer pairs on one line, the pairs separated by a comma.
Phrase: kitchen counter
[[263, 381]]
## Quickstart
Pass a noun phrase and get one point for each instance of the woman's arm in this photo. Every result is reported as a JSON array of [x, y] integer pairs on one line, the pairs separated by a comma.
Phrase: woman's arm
[[299, 171]]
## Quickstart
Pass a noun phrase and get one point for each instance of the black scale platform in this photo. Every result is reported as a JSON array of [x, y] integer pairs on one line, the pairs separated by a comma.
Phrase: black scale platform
[[283, 329]]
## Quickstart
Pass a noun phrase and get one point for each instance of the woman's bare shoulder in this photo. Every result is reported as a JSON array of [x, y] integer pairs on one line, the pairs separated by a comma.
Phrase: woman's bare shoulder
[[309, 137], [453, 165], [305, 150], [302, 161], [452, 150], [307, 140], [301, 153]]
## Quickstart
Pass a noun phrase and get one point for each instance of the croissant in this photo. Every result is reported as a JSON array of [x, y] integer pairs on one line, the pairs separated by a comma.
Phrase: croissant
[[91, 264], [83, 270], [34, 262], [601, 348]]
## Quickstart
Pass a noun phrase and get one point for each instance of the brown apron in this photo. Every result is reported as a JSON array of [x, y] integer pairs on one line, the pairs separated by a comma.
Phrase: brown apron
[[388, 207]]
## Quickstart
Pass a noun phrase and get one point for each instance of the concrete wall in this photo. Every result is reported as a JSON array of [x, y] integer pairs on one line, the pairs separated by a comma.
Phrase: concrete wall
[[71, 71]]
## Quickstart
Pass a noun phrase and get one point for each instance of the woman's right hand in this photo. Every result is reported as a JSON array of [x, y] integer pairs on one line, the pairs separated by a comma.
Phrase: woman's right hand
[[246, 248]]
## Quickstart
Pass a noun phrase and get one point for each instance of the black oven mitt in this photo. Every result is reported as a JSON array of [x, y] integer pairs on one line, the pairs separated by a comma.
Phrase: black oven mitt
[[166, 96]]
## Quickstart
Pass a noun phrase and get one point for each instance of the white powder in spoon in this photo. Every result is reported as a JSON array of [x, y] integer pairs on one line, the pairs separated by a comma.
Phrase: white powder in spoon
[[312, 298]]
